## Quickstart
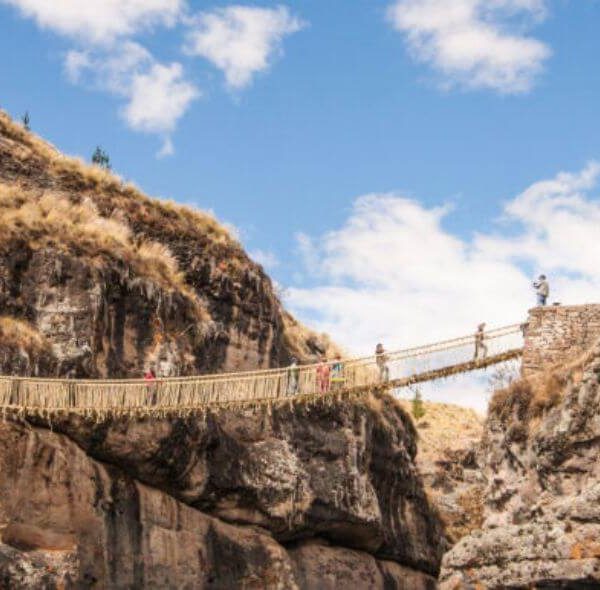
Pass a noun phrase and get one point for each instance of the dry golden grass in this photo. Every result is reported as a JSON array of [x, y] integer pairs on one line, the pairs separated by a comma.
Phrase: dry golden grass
[[471, 503], [123, 214], [20, 334], [46, 219], [126, 196], [297, 336], [526, 399]]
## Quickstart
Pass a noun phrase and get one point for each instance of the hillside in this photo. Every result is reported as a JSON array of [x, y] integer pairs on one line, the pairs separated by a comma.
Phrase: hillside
[[98, 279], [448, 441]]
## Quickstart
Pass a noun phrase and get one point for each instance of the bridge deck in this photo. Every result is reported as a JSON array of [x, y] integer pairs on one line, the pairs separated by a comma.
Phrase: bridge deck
[[467, 367], [63, 399]]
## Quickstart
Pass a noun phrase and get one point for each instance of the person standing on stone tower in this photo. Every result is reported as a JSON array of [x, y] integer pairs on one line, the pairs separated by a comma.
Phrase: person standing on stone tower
[[542, 289]]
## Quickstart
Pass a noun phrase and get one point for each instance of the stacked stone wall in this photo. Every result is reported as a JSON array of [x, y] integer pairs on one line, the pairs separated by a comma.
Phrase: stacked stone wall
[[557, 334]]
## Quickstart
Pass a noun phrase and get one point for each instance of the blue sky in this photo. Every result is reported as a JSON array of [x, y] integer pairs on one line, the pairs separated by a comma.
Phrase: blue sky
[[450, 115]]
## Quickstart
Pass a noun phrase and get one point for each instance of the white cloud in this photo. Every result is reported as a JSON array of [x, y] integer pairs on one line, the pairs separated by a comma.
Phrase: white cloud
[[99, 21], [158, 98], [167, 149], [265, 258], [157, 94], [474, 43], [393, 273], [240, 40]]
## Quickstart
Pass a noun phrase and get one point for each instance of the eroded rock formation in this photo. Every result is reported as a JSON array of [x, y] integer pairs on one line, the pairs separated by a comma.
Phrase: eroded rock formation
[[315, 496], [542, 510], [116, 281]]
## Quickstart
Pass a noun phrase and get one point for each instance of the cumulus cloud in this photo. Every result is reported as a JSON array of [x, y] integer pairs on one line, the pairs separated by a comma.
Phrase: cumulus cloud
[[157, 94], [393, 273], [99, 21], [158, 98], [475, 43], [240, 40]]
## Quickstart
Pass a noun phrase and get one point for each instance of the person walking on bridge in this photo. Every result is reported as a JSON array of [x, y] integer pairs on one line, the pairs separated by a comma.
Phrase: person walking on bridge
[[337, 374], [323, 375], [542, 289], [381, 359], [150, 379], [480, 345], [293, 377]]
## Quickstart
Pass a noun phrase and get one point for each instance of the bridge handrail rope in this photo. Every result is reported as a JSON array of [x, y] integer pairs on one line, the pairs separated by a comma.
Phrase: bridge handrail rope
[[249, 386], [397, 354]]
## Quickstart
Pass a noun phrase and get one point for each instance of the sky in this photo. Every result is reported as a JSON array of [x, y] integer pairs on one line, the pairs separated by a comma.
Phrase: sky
[[403, 169]]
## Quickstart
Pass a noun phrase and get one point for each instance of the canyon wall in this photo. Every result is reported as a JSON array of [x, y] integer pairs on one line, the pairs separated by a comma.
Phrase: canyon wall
[[297, 497]]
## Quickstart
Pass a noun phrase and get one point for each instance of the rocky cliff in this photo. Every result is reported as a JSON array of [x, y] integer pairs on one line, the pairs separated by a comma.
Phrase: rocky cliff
[[110, 281], [96, 279], [306, 496], [542, 501]]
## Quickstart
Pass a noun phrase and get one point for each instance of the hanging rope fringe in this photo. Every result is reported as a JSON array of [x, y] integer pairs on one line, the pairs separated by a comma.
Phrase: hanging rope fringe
[[186, 396]]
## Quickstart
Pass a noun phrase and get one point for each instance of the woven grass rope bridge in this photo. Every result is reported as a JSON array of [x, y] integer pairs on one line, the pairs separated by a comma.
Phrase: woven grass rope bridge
[[185, 395]]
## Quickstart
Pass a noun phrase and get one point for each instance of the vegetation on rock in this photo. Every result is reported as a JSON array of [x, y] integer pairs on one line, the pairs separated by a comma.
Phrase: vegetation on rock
[[104, 233]]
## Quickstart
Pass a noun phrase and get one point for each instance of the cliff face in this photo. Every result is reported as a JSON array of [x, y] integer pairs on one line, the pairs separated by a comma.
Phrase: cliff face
[[297, 497], [115, 281], [542, 510]]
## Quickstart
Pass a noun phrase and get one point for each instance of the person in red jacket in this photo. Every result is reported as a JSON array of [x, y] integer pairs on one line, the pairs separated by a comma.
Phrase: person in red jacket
[[150, 379], [323, 375]]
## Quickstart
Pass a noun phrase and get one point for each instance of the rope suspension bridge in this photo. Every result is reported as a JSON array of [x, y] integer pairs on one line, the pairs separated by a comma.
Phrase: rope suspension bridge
[[184, 395]]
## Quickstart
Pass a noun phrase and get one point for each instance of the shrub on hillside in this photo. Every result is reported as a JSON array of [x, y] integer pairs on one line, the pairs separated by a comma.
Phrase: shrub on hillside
[[101, 158], [418, 410]]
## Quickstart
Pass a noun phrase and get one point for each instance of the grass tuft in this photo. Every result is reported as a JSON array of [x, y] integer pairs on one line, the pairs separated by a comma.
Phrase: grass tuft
[[21, 335], [48, 219], [112, 218]]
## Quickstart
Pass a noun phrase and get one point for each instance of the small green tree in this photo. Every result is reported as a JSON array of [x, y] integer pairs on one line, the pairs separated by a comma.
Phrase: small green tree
[[101, 158], [26, 120], [418, 410]]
